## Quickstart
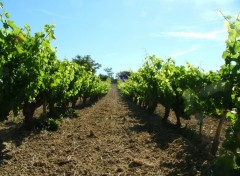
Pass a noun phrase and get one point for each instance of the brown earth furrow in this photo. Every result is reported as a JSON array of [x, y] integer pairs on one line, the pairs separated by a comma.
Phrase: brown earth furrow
[[111, 137]]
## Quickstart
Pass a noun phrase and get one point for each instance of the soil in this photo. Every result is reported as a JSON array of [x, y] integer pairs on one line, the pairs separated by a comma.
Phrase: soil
[[111, 137]]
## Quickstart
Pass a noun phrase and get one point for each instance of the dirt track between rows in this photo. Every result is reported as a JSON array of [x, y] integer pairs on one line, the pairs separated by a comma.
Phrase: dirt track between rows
[[111, 137]]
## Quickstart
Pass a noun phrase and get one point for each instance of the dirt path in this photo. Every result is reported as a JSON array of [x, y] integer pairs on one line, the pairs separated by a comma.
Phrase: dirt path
[[109, 138]]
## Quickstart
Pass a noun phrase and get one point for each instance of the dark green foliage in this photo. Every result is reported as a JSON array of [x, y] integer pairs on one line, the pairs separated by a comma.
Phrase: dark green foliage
[[87, 62], [109, 72], [123, 75], [49, 124]]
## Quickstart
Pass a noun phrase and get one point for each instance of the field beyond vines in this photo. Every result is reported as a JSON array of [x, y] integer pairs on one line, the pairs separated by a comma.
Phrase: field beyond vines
[[111, 137]]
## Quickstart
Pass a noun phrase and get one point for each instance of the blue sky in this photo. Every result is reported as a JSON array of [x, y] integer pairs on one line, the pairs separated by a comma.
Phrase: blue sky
[[121, 33]]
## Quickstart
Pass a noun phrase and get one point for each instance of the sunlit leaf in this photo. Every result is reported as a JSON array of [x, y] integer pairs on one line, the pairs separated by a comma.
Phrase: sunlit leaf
[[225, 54], [27, 27], [7, 15], [237, 47], [20, 37]]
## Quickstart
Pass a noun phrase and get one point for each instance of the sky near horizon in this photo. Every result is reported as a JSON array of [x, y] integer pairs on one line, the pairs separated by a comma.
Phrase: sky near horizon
[[121, 33]]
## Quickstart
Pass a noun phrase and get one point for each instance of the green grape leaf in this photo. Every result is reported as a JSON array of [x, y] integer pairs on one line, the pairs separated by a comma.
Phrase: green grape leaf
[[20, 37], [5, 25], [237, 48], [27, 27], [7, 15], [12, 25], [232, 35], [232, 117], [225, 54], [19, 49]]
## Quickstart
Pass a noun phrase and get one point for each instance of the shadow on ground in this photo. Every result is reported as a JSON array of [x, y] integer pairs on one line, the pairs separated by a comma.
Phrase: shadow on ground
[[14, 133], [192, 152]]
